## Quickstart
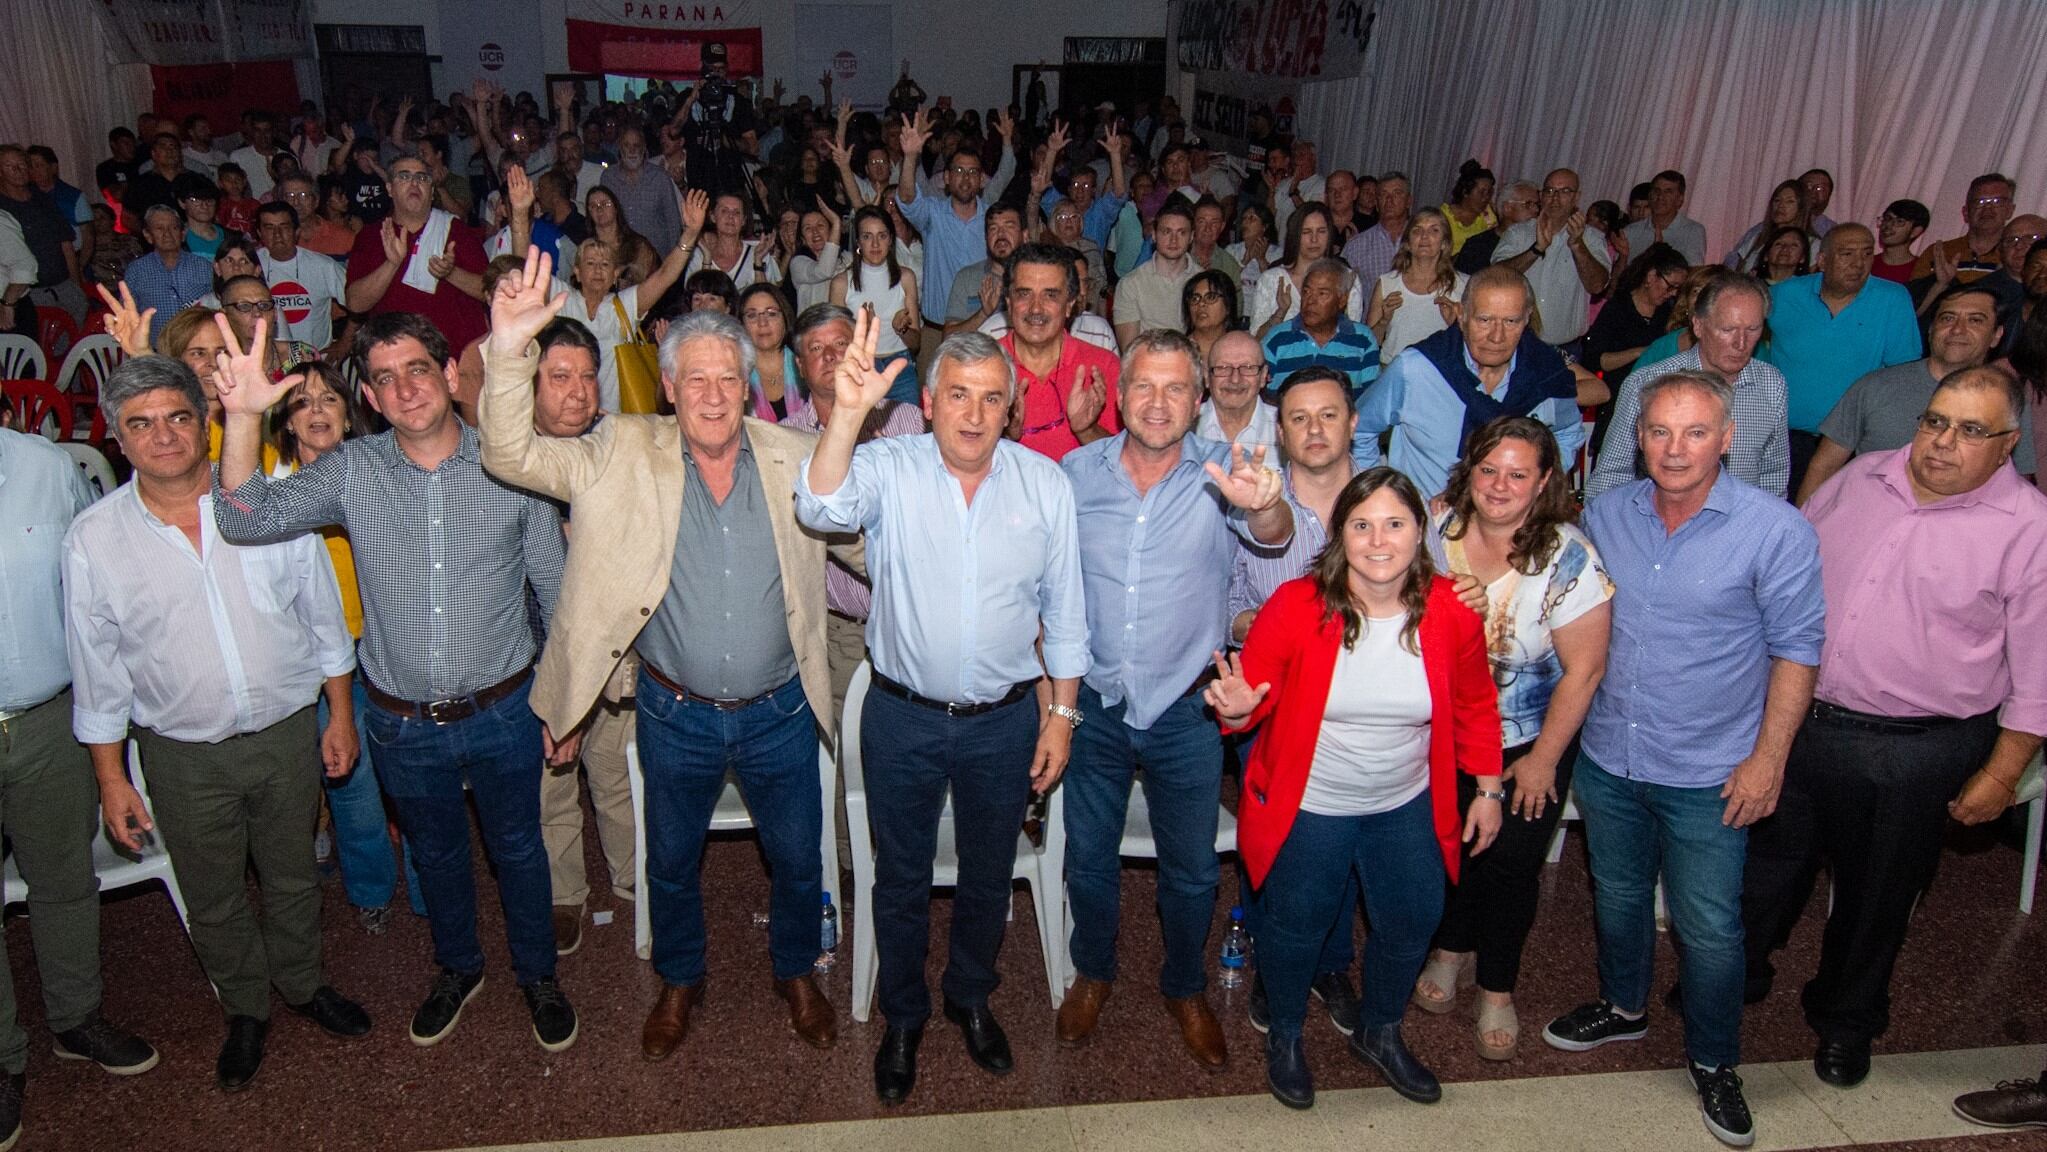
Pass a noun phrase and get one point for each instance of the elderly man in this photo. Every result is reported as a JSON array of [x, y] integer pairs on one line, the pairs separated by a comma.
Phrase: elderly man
[[1067, 386], [1098, 210], [1321, 336], [1716, 634], [1519, 200], [1666, 222], [1565, 265], [1370, 253], [166, 279], [1439, 391], [445, 556], [645, 193], [1235, 411], [1986, 209], [421, 260], [306, 285], [1148, 299], [1156, 598], [1727, 322], [1881, 411], [1832, 327], [217, 656], [683, 555], [1301, 184], [1928, 705], [972, 545]]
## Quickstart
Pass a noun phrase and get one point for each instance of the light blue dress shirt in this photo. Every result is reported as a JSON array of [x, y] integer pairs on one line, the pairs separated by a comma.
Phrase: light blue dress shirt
[[1698, 615], [1157, 572], [40, 491], [1427, 419], [1821, 352], [950, 244], [960, 590]]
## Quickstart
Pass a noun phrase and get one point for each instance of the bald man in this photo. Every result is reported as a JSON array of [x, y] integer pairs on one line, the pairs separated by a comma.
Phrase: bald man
[[1233, 412]]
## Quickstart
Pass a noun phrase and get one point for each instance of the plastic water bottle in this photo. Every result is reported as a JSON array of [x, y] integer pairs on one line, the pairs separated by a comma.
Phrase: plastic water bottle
[[829, 937], [1236, 951]]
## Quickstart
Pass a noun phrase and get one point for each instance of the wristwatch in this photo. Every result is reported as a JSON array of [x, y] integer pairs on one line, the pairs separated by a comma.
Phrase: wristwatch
[[1069, 714]]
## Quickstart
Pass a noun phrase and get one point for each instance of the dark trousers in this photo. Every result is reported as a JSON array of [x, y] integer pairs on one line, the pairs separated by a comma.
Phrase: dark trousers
[[1492, 906], [1803, 445], [1872, 806], [913, 755]]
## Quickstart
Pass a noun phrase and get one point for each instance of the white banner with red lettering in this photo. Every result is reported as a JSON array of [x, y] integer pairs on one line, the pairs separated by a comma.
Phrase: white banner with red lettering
[[170, 32], [678, 14]]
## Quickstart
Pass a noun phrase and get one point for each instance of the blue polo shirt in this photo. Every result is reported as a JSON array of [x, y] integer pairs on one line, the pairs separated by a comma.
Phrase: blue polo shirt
[[1821, 353]]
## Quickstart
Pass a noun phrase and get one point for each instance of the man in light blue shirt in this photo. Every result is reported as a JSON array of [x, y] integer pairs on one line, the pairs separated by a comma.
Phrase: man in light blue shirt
[[1437, 392], [1160, 520], [952, 227], [1717, 627], [974, 554]]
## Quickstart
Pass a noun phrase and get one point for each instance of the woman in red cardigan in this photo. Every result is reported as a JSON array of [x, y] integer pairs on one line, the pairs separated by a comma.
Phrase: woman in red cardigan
[[1371, 682]]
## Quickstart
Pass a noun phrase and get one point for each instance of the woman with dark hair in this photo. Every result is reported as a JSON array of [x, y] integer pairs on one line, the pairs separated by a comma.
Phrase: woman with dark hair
[[238, 255], [878, 281], [768, 317], [708, 289], [1787, 208], [1470, 208], [1421, 269], [1309, 237], [1367, 682], [817, 259], [725, 248], [1786, 251], [1254, 250], [1508, 529], [1208, 308], [1636, 314], [634, 255], [1612, 223]]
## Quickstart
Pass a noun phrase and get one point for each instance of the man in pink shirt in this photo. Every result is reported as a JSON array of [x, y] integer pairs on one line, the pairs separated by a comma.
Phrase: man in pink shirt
[[1932, 697]]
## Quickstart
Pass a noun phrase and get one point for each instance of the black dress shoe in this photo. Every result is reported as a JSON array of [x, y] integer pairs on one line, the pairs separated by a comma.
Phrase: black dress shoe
[[895, 1063], [334, 1013], [985, 1040], [1842, 1063], [1382, 1048], [242, 1055]]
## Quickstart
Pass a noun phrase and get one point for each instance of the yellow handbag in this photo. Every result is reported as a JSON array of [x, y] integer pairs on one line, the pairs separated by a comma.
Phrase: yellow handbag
[[639, 367]]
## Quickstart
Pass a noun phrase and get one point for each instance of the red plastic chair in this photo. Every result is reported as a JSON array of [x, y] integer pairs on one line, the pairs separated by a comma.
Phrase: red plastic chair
[[38, 408], [58, 332]]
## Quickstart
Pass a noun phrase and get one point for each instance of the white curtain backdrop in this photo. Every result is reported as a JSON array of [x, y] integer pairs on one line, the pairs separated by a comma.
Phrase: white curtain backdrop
[[60, 87], [1896, 97]]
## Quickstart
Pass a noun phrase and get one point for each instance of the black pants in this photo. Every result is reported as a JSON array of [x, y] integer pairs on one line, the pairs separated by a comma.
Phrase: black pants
[[1872, 806], [1803, 445], [1492, 906]]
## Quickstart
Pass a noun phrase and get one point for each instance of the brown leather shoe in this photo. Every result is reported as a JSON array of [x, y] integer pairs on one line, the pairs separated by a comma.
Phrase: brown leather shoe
[[669, 1021], [1200, 1029], [809, 1012], [568, 928], [1081, 1009]]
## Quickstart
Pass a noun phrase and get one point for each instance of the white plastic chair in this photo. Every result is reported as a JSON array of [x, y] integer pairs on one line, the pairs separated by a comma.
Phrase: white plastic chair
[[22, 359], [1040, 867], [1556, 853], [96, 356], [2032, 793], [1139, 844], [728, 815], [116, 866], [99, 474]]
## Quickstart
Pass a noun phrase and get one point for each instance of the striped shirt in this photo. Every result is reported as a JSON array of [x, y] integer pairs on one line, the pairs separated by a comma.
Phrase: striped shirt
[[1352, 351], [442, 558], [845, 593], [1760, 454], [1260, 569]]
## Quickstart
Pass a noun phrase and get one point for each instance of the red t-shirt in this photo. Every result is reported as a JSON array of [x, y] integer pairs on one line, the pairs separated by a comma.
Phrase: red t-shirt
[[1045, 427], [239, 215], [459, 318], [1896, 273]]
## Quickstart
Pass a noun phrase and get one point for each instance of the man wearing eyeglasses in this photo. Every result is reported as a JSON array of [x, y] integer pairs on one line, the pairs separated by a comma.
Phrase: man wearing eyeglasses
[[1931, 699], [306, 285], [1234, 413], [1564, 258], [1985, 211], [420, 259], [1519, 200]]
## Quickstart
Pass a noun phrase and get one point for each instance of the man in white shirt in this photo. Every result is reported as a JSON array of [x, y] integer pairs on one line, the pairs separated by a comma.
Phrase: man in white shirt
[[1564, 259], [254, 157], [1303, 185], [305, 284], [215, 655], [1666, 222], [1233, 412]]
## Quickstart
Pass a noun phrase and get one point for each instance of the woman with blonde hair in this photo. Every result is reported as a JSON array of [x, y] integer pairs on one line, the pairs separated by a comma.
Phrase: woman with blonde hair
[[1421, 268]]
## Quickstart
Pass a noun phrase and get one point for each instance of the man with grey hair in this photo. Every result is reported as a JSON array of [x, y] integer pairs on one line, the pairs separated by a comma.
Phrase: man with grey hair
[[972, 545], [1717, 625], [688, 552], [1727, 323], [1518, 200], [166, 279], [215, 654]]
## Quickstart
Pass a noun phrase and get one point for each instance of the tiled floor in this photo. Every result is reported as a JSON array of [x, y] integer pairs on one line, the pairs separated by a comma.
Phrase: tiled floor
[[1969, 979]]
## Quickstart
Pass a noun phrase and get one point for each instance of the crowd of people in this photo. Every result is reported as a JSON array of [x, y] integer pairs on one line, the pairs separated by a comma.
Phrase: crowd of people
[[472, 445]]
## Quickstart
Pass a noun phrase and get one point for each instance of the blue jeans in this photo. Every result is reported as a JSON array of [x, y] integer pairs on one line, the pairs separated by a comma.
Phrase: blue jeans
[[362, 836], [912, 755], [686, 748], [905, 390], [1180, 758], [422, 766], [1633, 830], [1339, 951], [1398, 864]]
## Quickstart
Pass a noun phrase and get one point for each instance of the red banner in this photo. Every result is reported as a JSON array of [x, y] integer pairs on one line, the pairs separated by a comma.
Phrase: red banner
[[220, 92], [659, 53]]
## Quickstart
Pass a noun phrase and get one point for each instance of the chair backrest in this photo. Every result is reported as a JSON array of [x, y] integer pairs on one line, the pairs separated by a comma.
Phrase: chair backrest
[[849, 734], [95, 356], [57, 331], [99, 474], [22, 359], [38, 409]]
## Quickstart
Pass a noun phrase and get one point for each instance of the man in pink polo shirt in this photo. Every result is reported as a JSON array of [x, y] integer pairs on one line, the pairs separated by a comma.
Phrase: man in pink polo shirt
[[1932, 697], [1066, 388]]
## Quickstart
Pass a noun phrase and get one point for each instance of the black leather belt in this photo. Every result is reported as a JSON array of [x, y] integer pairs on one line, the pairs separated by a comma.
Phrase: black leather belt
[[452, 709], [1016, 692], [1870, 722], [690, 697]]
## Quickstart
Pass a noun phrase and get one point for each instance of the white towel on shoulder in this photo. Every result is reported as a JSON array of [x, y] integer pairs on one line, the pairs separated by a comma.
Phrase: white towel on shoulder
[[433, 240]]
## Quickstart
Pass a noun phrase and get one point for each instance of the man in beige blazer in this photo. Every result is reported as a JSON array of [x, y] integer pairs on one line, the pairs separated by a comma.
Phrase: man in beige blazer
[[687, 548]]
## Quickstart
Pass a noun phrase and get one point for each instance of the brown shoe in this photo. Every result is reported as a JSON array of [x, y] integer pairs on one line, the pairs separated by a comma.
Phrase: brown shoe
[[1081, 1009], [669, 1021], [1200, 1029], [809, 1012], [568, 928]]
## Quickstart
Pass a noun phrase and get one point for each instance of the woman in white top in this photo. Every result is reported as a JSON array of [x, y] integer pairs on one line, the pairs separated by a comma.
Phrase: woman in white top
[[725, 247], [878, 281], [612, 314], [1507, 534], [1308, 234], [818, 259], [1254, 250], [1422, 270]]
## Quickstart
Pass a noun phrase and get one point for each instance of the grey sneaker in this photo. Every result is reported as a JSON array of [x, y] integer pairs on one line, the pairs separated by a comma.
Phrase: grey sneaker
[[118, 1051]]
